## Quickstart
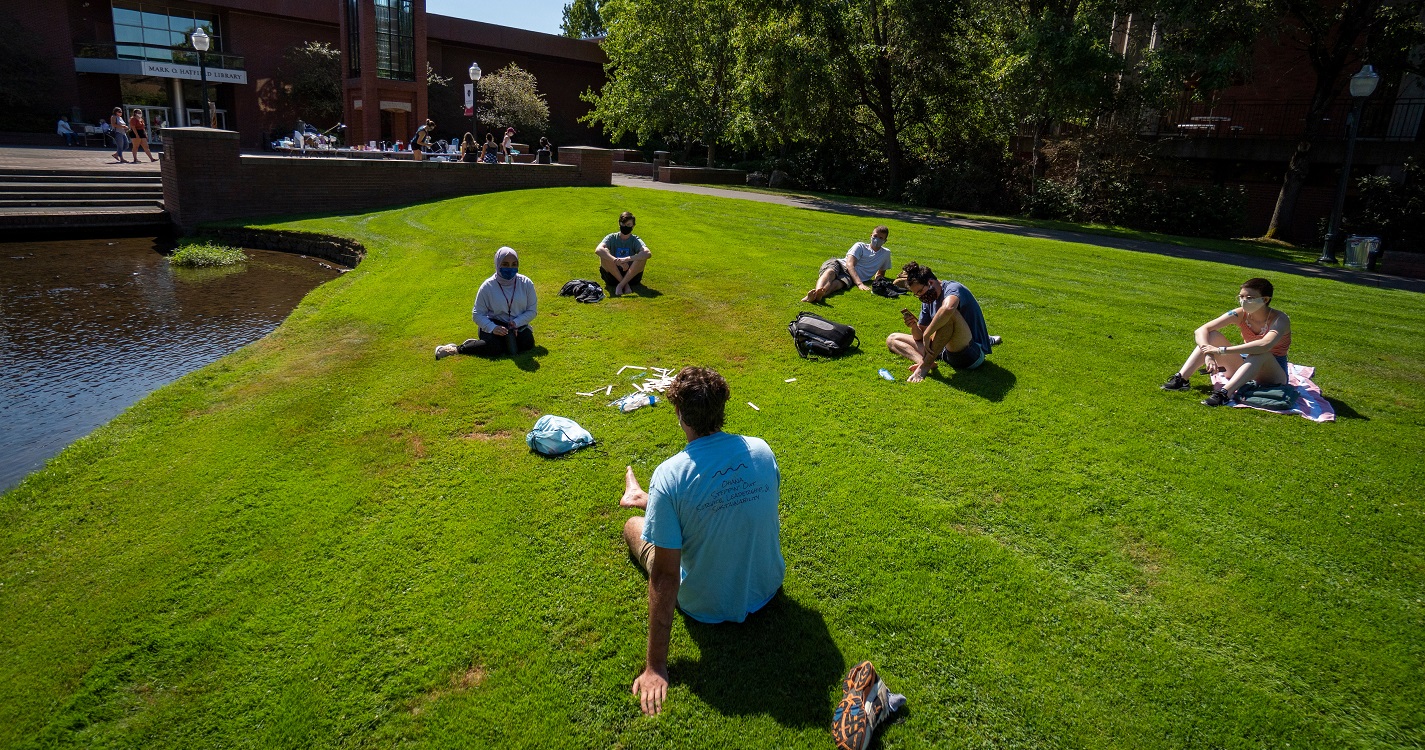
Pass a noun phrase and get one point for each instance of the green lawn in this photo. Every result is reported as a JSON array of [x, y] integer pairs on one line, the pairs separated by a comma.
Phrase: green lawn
[[1255, 247], [330, 539]]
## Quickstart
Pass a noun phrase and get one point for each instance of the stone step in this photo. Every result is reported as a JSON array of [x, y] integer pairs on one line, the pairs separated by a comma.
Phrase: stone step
[[6, 202], [116, 172], [63, 220], [140, 188]]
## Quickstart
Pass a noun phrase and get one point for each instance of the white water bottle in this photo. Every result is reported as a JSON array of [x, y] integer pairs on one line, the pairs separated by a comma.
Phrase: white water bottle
[[636, 401]]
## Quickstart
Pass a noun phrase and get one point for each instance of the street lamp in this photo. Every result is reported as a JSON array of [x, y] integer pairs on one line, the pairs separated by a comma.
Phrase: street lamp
[[474, 100], [1363, 84], [201, 40]]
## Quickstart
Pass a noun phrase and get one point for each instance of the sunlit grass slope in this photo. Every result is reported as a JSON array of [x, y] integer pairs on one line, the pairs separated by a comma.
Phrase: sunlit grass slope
[[330, 539]]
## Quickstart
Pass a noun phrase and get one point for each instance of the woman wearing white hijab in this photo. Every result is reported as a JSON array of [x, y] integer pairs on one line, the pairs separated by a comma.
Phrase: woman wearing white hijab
[[504, 306]]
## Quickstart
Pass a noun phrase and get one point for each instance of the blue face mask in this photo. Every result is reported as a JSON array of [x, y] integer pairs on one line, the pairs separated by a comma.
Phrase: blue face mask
[[508, 273]]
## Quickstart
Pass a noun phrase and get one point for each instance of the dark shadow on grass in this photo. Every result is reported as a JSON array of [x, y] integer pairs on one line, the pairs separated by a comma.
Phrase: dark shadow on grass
[[1344, 410], [529, 361], [988, 381], [644, 291], [781, 663]]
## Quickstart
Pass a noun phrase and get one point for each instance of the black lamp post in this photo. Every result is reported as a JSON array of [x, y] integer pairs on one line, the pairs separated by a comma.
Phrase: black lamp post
[[475, 101], [1363, 84], [201, 40]]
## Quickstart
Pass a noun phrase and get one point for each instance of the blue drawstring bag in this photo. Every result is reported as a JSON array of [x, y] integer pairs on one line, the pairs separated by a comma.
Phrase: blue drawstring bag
[[555, 436]]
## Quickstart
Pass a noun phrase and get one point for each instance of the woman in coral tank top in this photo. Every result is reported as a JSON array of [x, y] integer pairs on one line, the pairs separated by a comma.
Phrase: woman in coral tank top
[[1266, 337]]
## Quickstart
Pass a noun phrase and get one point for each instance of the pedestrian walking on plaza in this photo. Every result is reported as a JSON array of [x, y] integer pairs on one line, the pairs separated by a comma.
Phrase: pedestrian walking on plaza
[[121, 129], [62, 128], [508, 146], [140, 140]]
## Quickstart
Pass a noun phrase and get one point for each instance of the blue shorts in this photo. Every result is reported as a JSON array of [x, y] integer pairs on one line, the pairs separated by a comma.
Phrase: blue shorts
[[1280, 358], [969, 358]]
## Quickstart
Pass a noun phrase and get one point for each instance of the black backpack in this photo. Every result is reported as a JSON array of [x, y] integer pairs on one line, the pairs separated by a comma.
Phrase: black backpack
[[813, 334]]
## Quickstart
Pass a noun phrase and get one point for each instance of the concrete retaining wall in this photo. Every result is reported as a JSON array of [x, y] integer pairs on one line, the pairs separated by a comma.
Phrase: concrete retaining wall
[[703, 175], [205, 179]]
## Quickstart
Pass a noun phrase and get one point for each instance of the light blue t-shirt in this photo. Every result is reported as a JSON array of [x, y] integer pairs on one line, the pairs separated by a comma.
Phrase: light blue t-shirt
[[717, 502], [620, 247]]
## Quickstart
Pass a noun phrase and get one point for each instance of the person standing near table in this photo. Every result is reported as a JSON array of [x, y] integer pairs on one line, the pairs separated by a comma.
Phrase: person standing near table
[[421, 141], [121, 138]]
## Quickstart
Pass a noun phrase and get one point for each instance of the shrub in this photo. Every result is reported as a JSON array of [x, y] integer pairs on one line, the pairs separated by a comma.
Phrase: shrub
[[206, 255], [1390, 209], [1185, 209]]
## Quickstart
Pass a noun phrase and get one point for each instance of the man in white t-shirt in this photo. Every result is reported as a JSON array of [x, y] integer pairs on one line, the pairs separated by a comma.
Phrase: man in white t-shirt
[[864, 262]]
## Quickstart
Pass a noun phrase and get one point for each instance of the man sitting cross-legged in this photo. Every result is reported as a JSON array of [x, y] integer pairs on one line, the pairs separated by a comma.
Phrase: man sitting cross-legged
[[950, 328], [710, 541], [622, 256], [864, 262]]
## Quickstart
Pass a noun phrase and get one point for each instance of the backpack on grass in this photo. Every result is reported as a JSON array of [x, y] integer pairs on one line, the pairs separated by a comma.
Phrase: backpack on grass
[[813, 334], [555, 436]]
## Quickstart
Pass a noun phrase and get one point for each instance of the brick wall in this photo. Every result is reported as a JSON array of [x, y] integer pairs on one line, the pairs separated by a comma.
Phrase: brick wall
[[641, 168], [205, 179], [703, 175]]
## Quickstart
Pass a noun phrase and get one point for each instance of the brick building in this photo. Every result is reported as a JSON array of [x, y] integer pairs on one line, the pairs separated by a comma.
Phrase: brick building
[[108, 53], [1245, 134]]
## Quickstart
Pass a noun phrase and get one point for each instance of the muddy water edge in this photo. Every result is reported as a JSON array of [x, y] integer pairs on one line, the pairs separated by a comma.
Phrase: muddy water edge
[[88, 327]]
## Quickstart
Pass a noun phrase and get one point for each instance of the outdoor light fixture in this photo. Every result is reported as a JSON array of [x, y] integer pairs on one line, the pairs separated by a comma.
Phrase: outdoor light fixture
[[201, 42], [474, 100], [1363, 84]]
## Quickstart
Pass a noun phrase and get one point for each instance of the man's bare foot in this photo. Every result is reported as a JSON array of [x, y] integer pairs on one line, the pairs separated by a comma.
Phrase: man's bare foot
[[633, 494]]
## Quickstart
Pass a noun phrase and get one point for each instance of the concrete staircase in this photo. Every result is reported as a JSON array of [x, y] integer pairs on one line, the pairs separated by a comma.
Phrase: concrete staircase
[[80, 199]]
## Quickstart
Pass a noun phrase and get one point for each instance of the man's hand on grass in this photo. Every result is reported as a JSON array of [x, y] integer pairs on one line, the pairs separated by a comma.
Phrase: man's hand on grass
[[863, 286], [651, 687]]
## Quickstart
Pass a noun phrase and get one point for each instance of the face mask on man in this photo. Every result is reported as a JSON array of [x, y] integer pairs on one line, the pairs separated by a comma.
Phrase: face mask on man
[[625, 229], [876, 242], [508, 273]]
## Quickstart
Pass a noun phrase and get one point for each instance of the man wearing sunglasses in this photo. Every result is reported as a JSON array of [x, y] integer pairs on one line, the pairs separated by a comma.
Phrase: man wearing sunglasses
[[950, 328]]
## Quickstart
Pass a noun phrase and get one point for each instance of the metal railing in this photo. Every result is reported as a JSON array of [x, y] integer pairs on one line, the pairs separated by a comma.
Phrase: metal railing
[[1382, 119], [155, 53]]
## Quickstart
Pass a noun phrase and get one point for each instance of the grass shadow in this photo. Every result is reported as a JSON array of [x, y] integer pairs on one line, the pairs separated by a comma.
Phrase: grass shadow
[[644, 291], [529, 361], [988, 381], [1344, 410], [781, 662]]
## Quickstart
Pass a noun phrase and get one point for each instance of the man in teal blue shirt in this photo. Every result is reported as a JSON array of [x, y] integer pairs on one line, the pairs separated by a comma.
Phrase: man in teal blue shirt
[[711, 538], [622, 257]]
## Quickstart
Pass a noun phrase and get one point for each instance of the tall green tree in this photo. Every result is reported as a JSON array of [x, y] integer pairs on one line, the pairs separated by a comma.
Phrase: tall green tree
[[671, 72], [582, 20], [310, 82], [510, 98]]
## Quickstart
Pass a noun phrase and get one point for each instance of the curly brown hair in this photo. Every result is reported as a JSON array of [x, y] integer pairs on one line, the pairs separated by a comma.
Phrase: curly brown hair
[[700, 395]]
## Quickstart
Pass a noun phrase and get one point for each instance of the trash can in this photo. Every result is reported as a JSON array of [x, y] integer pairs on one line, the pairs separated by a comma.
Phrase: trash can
[[1359, 251]]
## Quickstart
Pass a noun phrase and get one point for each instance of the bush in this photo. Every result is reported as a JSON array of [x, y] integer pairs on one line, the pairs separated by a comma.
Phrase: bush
[[1391, 210], [206, 255], [1189, 210]]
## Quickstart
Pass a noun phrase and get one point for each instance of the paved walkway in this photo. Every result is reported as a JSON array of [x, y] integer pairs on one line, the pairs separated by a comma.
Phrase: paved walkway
[[78, 157], [1364, 278]]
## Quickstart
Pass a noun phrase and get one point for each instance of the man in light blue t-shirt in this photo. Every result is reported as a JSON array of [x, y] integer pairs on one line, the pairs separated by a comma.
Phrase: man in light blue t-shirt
[[710, 541], [622, 256], [864, 262]]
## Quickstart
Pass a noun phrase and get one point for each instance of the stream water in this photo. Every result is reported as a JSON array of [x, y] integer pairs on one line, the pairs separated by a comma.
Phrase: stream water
[[88, 327]]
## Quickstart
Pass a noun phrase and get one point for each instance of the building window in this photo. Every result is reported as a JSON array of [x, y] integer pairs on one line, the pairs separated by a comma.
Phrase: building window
[[395, 40], [353, 37], [148, 31]]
